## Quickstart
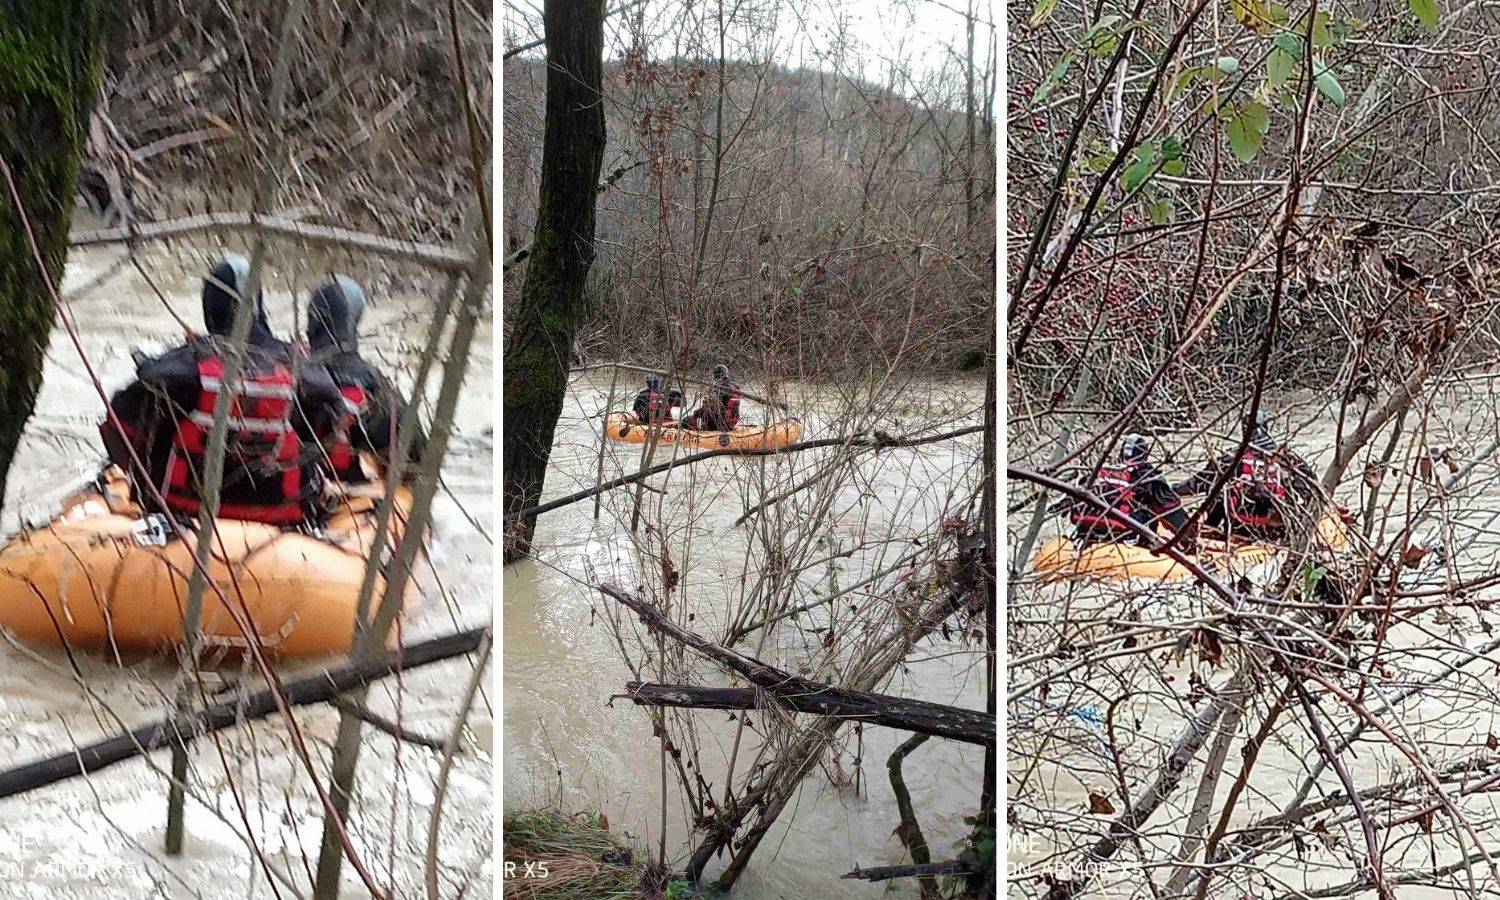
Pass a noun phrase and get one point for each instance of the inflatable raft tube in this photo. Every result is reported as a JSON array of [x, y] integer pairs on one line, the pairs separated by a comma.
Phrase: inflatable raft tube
[[1061, 560], [624, 427], [85, 580]]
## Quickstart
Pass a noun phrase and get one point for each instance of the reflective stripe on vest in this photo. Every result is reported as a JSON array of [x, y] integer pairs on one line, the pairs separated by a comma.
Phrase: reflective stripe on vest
[[341, 456], [260, 441], [1115, 485], [732, 408], [1257, 490]]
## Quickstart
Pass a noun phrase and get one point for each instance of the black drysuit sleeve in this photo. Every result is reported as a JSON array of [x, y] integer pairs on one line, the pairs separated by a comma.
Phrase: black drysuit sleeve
[[1200, 481], [377, 427], [148, 407], [1160, 498]]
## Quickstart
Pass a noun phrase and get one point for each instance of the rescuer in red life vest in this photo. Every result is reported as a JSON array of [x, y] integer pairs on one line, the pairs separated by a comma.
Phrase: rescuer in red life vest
[[1264, 489], [720, 410], [651, 405], [371, 406], [1134, 488], [279, 405]]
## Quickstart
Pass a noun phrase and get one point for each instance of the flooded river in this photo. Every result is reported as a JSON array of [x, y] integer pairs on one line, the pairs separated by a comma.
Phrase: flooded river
[[566, 742], [1060, 762], [102, 836]]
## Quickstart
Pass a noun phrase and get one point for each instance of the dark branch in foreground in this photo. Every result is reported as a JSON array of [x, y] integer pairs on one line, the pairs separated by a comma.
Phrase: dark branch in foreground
[[886, 873], [810, 697], [878, 442], [394, 729], [315, 688]]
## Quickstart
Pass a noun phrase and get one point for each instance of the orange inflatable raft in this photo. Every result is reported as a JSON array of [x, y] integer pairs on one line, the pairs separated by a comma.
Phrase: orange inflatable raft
[[85, 579], [1061, 560], [624, 427]]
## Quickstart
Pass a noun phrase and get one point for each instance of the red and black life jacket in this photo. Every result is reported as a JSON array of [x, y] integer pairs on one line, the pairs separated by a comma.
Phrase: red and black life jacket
[[1255, 495], [651, 406], [343, 459], [263, 479], [732, 408], [1115, 485]]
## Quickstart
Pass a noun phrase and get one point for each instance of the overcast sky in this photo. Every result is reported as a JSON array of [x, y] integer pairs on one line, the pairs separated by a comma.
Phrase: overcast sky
[[863, 38]]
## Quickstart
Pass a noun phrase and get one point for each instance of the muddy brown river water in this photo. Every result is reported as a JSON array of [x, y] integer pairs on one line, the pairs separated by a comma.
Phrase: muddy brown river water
[[102, 836], [566, 742]]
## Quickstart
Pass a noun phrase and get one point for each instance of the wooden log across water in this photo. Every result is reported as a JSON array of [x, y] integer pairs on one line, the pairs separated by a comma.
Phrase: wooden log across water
[[886, 873], [936, 719], [307, 689]]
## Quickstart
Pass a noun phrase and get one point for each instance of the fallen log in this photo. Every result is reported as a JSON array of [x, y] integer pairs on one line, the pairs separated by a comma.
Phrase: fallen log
[[810, 697], [307, 689], [928, 870], [443, 258]]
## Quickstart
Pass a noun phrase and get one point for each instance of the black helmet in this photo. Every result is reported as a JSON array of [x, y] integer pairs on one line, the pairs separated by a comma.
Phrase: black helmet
[[1260, 439], [221, 296], [721, 372], [333, 314], [1134, 448], [653, 382]]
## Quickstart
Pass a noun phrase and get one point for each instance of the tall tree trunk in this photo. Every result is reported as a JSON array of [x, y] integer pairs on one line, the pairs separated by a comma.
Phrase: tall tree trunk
[[49, 74], [551, 302]]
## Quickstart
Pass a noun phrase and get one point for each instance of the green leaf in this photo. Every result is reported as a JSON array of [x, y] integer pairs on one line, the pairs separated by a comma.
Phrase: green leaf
[[1288, 43], [1195, 73], [1329, 87], [1135, 175], [1174, 167], [1311, 575], [1097, 163], [1102, 38], [1140, 171], [1042, 12], [1171, 148], [1279, 67], [1227, 64], [1321, 36], [1247, 131], [1426, 11], [1160, 211], [1053, 79]]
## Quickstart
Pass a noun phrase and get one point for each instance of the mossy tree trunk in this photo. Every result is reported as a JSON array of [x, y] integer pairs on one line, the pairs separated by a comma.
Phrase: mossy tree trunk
[[551, 302], [49, 73]]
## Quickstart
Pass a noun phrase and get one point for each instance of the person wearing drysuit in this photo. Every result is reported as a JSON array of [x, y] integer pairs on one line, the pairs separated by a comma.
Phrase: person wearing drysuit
[[1267, 486], [652, 407], [372, 408], [279, 405], [1132, 488], [720, 410]]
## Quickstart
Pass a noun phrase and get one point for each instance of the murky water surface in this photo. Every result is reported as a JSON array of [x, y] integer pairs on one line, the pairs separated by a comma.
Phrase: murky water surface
[[566, 740], [102, 836]]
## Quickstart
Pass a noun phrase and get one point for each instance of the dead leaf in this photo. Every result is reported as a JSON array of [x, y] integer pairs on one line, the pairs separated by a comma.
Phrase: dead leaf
[[1100, 805], [1411, 557], [1253, 14]]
